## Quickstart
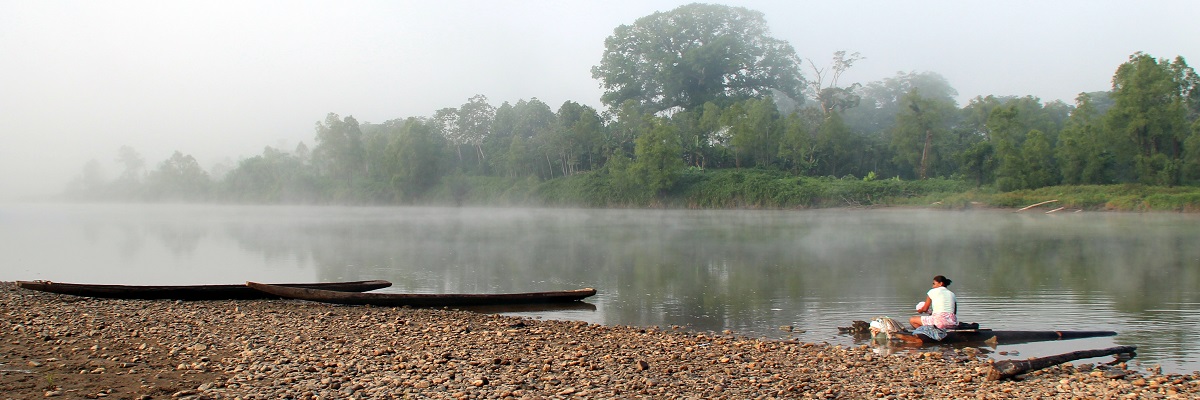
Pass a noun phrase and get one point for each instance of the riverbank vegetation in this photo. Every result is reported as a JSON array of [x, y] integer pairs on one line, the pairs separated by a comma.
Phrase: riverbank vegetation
[[767, 189], [724, 116]]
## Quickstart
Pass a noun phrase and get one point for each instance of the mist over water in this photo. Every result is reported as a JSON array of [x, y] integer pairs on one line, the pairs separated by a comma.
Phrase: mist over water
[[748, 271]]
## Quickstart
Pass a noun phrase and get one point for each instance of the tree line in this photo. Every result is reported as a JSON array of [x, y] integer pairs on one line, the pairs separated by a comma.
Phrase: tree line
[[704, 88]]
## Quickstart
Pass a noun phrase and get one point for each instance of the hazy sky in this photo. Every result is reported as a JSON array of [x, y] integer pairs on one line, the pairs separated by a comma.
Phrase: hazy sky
[[222, 79]]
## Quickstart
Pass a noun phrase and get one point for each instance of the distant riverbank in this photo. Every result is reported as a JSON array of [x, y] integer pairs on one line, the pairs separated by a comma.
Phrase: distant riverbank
[[692, 188], [763, 189]]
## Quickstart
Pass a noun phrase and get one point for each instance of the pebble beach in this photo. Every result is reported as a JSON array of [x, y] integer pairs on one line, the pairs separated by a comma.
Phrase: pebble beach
[[60, 346]]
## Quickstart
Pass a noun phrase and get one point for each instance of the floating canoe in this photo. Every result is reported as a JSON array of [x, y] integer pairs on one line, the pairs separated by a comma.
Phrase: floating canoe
[[422, 300], [191, 292], [1000, 337]]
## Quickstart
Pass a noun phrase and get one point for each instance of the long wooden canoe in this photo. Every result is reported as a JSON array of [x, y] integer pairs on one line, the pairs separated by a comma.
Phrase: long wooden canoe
[[422, 300], [1000, 337], [530, 307], [189, 292]]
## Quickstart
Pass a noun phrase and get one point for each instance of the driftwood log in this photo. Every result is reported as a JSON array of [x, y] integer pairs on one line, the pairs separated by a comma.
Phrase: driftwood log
[[1036, 204], [1010, 368]]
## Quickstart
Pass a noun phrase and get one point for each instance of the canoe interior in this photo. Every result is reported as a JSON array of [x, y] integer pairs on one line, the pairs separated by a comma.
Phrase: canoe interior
[[423, 300], [189, 292]]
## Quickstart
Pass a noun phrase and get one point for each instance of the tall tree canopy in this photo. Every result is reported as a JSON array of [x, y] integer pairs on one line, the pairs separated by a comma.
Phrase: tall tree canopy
[[695, 54], [920, 132], [179, 177], [1153, 102], [339, 148], [1146, 129]]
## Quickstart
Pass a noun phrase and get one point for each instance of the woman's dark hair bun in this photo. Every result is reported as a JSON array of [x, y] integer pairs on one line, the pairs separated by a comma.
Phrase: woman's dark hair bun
[[943, 280]]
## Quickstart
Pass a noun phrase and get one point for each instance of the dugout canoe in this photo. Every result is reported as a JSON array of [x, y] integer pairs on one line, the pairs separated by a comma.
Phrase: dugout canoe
[[999, 337], [422, 300], [190, 292], [530, 307]]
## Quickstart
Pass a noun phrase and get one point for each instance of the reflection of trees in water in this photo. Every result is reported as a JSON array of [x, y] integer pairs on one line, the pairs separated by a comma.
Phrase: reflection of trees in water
[[1142, 261], [718, 269], [418, 255], [275, 241], [130, 226], [181, 239], [129, 236], [131, 240]]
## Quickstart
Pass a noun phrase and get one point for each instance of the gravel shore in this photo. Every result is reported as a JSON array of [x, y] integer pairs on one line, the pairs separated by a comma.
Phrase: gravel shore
[[74, 347]]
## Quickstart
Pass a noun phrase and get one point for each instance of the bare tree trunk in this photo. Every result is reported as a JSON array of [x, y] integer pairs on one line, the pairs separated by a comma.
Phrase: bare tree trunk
[[925, 152]]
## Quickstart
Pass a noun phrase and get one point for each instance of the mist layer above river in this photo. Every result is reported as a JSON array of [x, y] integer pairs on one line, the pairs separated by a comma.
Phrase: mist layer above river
[[748, 271]]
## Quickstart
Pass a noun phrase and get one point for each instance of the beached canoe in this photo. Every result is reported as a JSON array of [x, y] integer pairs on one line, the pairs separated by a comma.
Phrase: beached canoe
[[189, 292], [999, 337], [422, 300]]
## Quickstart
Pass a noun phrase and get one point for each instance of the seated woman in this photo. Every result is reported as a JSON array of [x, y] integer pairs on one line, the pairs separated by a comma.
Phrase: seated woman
[[941, 304]]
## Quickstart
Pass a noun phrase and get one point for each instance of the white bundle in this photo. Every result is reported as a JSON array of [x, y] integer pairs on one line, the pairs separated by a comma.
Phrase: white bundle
[[885, 326]]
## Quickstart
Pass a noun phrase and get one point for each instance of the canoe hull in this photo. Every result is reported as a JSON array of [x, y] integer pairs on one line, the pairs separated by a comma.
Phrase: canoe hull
[[189, 292], [423, 300], [1002, 337]]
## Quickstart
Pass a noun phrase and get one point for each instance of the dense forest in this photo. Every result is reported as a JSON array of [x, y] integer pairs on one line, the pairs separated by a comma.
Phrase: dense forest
[[703, 108]]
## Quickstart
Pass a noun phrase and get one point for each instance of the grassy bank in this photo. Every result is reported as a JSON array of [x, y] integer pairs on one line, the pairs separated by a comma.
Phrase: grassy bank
[[694, 189], [762, 189], [1138, 198]]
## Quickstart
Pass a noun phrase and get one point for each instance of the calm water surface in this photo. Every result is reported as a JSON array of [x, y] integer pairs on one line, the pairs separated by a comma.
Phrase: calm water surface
[[747, 271]]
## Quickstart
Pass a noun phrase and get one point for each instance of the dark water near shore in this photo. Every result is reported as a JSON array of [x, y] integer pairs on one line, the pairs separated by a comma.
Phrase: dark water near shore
[[747, 271]]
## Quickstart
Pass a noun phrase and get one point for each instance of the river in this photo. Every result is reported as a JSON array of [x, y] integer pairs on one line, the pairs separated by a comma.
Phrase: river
[[751, 272]]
